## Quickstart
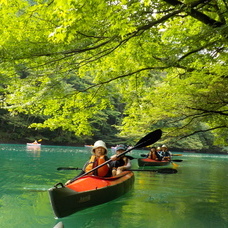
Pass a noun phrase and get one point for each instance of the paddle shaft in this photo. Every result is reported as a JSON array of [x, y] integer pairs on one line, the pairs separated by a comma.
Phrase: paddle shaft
[[164, 170]]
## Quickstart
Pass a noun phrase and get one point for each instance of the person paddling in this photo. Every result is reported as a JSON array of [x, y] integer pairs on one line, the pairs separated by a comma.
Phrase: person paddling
[[166, 154], [122, 163], [160, 153], [153, 154], [99, 156]]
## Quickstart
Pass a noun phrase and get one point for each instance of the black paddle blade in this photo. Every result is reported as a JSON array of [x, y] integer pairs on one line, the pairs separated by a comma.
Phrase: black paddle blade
[[177, 160], [163, 171], [68, 168], [143, 155], [150, 138], [167, 171]]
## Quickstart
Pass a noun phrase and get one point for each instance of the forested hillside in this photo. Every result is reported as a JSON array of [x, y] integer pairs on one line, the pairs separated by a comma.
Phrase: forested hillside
[[83, 70]]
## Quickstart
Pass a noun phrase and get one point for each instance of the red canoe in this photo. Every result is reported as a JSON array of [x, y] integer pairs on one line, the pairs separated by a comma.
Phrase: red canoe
[[88, 191], [150, 162]]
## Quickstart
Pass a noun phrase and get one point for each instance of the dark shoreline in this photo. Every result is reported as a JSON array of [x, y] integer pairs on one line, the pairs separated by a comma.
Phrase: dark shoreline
[[179, 150]]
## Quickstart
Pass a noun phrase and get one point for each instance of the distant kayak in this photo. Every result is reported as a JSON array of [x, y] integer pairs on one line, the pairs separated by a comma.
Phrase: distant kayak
[[89, 146], [151, 162], [33, 144]]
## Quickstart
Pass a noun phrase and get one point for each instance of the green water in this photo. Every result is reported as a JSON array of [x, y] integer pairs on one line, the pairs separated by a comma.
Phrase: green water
[[196, 196]]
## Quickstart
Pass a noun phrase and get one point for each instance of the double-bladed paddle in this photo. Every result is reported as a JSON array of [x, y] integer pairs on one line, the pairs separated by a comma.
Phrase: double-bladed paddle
[[150, 138], [164, 170]]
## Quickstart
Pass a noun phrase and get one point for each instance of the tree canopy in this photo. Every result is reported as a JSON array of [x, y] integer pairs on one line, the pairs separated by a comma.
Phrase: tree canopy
[[160, 63]]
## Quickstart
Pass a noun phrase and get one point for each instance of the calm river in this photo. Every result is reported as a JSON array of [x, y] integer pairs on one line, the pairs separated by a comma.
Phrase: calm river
[[196, 196]]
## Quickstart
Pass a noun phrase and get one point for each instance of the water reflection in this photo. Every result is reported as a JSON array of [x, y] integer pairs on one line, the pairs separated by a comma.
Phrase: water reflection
[[196, 196], [34, 150]]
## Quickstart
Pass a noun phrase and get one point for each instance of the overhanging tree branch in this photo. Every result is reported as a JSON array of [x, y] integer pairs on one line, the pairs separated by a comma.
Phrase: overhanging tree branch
[[201, 131], [224, 112], [122, 76], [189, 9]]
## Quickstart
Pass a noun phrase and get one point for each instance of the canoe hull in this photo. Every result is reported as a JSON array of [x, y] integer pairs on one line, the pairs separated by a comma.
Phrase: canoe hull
[[66, 201], [34, 144], [150, 162]]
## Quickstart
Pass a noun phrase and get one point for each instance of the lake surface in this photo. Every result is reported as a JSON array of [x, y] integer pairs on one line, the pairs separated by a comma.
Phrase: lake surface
[[196, 196]]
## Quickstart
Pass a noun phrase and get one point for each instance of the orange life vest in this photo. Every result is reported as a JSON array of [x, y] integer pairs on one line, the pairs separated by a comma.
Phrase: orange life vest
[[94, 162], [152, 155]]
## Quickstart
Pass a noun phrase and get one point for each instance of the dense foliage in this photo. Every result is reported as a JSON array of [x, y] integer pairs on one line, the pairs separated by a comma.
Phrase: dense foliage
[[145, 64]]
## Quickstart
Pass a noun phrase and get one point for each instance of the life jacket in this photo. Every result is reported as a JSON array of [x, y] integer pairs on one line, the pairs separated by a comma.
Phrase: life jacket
[[94, 162], [120, 162], [167, 155], [153, 155]]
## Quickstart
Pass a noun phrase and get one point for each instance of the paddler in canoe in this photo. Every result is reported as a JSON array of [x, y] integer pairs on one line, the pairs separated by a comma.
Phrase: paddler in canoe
[[98, 157], [122, 163], [159, 153], [166, 153], [154, 154]]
